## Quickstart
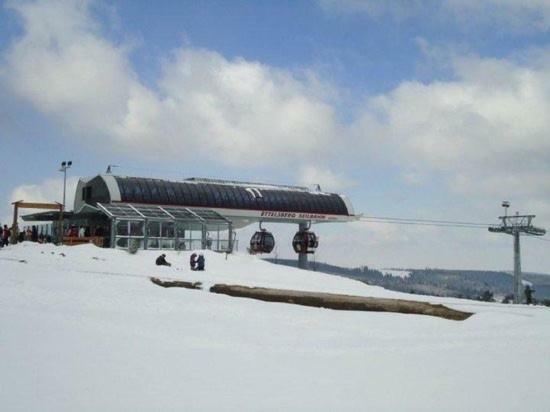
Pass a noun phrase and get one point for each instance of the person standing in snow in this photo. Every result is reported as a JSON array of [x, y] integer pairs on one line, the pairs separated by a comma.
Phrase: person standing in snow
[[200, 262], [161, 261], [193, 261], [5, 236]]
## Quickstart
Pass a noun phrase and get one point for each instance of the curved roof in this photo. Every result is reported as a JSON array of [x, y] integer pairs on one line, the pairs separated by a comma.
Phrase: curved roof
[[227, 195]]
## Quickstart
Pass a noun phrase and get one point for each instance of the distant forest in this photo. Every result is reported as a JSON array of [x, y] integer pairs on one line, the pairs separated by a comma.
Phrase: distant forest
[[467, 284]]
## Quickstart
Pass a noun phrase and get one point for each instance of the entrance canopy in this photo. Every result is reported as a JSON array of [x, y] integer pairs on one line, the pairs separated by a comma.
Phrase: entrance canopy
[[166, 227], [170, 213]]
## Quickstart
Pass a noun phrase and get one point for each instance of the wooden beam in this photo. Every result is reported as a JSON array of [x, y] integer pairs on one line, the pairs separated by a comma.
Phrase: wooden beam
[[341, 302], [33, 205]]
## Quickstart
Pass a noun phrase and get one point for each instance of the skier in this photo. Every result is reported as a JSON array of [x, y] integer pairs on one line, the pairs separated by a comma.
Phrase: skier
[[200, 262], [193, 261], [161, 261]]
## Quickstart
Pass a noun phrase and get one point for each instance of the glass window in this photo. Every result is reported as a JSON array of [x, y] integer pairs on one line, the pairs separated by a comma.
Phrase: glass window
[[145, 191], [136, 228], [240, 196], [191, 190], [201, 192], [87, 193], [124, 190], [122, 228], [225, 196], [180, 195], [167, 229], [122, 242], [167, 244], [211, 197], [153, 243], [154, 192], [170, 189], [274, 200], [301, 204], [314, 204], [331, 204], [162, 193], [180, 229], [232, 197], [218, 200], [284, 201], [182, 244], [135, 243], [291, 200], [153, 229]]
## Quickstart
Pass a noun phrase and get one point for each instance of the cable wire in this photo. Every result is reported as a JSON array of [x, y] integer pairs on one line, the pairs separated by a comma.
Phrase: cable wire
[[424, 222]]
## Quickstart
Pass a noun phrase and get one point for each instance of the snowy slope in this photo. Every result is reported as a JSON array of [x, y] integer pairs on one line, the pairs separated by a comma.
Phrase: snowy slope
[[87, 331]]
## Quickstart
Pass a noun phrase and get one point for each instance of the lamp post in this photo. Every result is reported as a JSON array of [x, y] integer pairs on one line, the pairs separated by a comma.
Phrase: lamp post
[[64, 166]]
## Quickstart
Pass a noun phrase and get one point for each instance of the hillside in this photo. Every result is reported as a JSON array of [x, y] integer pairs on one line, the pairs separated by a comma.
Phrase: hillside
[[84, 329], [469, 284]]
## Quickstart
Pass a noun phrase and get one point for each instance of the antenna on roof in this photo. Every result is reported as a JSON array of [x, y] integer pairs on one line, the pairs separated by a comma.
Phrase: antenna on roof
[[109, 168]]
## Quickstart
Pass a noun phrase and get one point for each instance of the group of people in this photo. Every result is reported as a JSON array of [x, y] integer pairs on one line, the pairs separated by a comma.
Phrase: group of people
[[196, 262], [32, 234], [74, 231], [29, 233]]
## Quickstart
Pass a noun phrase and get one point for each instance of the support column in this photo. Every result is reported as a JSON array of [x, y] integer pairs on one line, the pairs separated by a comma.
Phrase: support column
[[518, 286], [60, 229], [229, 239], [302, 257], [203, 236], [113, 233]]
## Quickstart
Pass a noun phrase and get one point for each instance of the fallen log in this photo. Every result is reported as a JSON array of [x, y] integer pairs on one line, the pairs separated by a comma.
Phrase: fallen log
[[341, 302], [176, 283]]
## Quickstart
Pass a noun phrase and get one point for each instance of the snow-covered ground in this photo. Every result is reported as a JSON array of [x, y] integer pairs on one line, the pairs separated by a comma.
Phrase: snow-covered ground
[[87, 331]]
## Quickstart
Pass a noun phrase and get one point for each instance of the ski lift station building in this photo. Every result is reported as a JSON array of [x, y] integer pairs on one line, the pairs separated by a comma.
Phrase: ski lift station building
[[161, 214]]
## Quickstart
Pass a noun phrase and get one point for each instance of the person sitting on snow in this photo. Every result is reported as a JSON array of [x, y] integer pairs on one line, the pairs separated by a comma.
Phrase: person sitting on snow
[[193, 261], [161, 261], [200, 262]]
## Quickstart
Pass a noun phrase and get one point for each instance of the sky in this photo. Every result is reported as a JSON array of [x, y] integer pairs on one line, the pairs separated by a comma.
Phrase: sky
[[414, 109]]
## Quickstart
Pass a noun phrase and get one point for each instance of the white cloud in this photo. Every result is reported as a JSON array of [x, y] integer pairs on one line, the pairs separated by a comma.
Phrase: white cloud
[[521, 15], [47, 191], [329, 181], [535, 14], [236, 111], [487, 130]]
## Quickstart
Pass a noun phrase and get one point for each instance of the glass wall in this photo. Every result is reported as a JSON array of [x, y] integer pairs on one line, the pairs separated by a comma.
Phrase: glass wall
[[169, 235], [129, 233]]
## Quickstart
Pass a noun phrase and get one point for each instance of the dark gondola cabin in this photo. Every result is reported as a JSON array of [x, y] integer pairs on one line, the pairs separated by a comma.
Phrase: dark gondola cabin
[[262, 242], [305, 242]]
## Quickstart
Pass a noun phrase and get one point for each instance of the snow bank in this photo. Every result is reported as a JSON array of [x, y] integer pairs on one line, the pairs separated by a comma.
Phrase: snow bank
[[83, 329]]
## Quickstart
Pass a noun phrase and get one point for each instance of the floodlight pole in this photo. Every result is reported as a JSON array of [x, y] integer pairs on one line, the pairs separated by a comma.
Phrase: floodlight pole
[[65, 164], [515, 225]]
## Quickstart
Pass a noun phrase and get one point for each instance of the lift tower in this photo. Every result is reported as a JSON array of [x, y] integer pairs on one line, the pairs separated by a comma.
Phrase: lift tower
[[515, 225]]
